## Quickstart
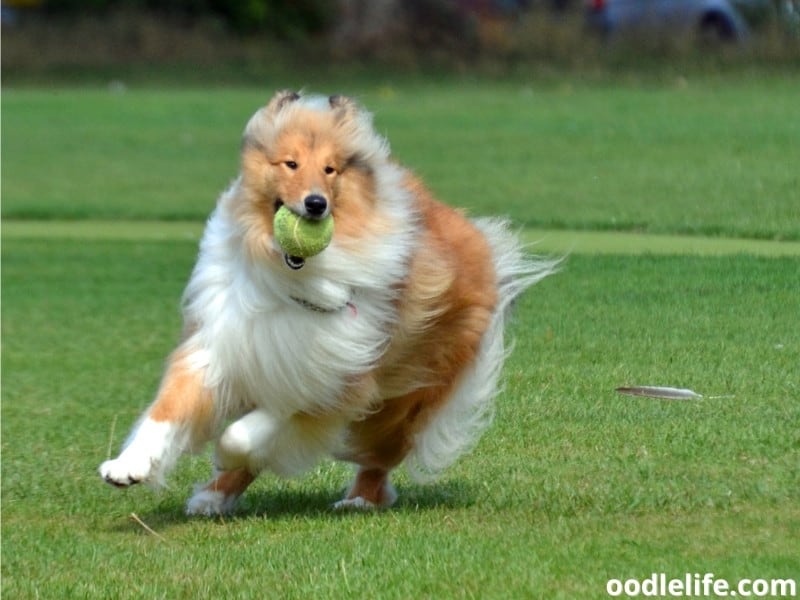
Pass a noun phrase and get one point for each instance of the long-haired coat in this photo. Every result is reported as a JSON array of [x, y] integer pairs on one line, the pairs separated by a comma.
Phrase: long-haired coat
[[385, 348]]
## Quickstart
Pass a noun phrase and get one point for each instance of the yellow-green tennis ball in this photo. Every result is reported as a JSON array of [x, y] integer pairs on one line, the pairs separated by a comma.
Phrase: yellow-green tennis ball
[[299, 236]]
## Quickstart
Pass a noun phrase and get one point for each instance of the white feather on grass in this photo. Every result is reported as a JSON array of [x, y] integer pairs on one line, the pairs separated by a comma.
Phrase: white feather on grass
[[666, 393]]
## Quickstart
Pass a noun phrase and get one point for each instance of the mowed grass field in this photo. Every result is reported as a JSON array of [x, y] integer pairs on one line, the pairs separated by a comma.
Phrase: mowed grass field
[[712, 157], [103, 200]]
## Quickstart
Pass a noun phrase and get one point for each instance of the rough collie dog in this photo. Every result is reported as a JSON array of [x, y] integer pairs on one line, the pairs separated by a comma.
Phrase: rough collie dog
[[384, 348]]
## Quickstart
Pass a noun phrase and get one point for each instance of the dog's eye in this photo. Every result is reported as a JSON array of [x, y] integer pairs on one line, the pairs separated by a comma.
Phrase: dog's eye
[[329, 170], [291, 164]]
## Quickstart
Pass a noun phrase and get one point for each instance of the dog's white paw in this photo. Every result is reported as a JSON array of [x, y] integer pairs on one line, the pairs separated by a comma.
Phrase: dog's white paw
[[357, 503], [149, 453], [126, 470], [210, 503]]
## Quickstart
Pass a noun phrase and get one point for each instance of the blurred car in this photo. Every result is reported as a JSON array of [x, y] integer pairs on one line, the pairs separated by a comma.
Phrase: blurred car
[[717, 19]]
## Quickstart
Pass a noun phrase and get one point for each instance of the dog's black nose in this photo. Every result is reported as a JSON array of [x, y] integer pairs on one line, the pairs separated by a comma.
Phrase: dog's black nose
[[316, 205]]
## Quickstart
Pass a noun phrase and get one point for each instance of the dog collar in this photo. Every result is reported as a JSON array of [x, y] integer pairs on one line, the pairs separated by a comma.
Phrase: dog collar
[[308, 305]]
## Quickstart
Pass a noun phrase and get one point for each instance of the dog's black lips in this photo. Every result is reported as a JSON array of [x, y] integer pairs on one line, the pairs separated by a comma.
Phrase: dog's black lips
[[294, 262]]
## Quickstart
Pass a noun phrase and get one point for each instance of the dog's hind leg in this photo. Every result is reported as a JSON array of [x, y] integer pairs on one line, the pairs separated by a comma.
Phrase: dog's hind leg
[[371, 489], [180, 418], [378, 444]]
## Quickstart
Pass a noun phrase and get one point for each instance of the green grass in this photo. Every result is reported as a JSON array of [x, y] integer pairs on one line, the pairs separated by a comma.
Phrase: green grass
[[691, 157], [572, 485], [553, 241]]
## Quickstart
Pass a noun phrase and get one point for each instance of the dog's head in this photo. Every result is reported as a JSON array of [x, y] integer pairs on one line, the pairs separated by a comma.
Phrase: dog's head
[[315, 155]]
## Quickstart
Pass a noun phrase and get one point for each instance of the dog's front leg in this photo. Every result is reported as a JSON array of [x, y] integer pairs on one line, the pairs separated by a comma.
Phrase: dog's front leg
[[181, 417]]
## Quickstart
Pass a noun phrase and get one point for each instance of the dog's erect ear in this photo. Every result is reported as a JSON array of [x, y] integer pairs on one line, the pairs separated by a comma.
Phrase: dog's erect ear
[[345, 107], [257, 132], [281, 99]]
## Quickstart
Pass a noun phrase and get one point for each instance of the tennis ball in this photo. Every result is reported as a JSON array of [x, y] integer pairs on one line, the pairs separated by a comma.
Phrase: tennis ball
[[299, 236]]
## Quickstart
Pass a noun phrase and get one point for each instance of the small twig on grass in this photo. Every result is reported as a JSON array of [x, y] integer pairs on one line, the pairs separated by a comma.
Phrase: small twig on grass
[[135, 518], [111, 436], [343, 568]]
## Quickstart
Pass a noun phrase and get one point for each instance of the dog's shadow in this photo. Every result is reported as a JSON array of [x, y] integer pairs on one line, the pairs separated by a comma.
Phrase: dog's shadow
[[289, 504], [276, 504]]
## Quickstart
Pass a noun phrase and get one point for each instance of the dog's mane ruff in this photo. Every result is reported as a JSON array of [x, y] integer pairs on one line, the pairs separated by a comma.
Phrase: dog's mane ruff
[[456, 428]]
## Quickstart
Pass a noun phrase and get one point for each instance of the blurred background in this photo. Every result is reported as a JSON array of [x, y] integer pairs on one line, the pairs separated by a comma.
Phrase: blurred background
[[47, 39]]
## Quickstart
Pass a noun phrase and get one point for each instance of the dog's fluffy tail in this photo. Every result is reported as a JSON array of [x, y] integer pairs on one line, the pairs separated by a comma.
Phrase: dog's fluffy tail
[[458, 426]]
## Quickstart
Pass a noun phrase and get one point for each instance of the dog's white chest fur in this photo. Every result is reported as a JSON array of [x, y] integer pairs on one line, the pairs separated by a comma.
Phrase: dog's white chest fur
[[278, 340]]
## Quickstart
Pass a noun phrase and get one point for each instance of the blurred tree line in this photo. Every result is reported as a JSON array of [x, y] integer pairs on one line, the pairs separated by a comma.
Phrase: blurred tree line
[[406, 33], [286, 18], [292, 18], [355, 27]]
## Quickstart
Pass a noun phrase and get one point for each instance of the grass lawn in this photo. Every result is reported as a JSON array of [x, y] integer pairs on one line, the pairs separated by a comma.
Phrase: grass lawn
[[693, 157], [572, 485]]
